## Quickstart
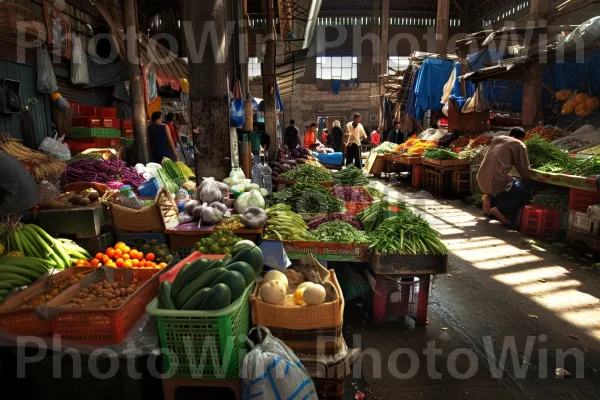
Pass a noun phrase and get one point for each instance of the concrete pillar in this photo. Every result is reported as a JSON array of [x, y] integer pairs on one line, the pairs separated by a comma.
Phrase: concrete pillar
[[383, 60], [209, 97], [268, 74], [134, 73], [441, 27]]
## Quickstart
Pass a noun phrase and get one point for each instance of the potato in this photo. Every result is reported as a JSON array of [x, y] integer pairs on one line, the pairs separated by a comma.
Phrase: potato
[[129, 291]]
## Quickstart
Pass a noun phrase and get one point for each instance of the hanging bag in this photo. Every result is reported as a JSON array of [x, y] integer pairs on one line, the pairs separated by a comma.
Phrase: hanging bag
[[46, 82], [79, 65], [236, 109], [477, 103]]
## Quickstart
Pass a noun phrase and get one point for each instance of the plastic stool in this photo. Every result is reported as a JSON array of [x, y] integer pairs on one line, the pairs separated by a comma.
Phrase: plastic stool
[[540, 221]]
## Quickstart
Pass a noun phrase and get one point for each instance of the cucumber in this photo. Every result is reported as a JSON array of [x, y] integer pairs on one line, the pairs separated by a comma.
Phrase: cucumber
[[196, 300], [165, 301], [201, 282], [187, 274], [215, 264], [235, 281], [219, 298], [226, 260], [243, 268]]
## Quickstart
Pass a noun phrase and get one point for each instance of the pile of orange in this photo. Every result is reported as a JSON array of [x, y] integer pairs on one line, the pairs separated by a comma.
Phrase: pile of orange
[[122, 256]]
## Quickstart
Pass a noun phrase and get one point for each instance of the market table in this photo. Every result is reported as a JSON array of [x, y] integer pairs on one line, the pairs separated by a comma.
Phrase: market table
[[413, 162], [441, 174], [323, 251], [184, 237], [570, 181]]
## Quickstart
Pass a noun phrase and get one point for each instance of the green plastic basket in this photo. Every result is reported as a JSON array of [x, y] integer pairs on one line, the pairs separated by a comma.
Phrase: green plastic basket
[[203, 344], [353, 284], [185, 251], [95, 132], [126, 141]]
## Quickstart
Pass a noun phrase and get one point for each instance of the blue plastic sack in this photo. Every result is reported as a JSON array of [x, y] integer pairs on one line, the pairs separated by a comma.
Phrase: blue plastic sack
[[236, 113]]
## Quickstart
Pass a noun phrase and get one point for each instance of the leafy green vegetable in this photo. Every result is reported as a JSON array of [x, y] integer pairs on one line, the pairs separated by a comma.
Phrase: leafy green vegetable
[[440, 154], [339, 232], [372, 217], [307, 173], [308, 198], [407, 234], [541, 153], [350, 176]]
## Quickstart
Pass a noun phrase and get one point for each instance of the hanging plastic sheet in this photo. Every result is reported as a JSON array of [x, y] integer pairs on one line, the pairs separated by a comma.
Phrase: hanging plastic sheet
[[429, 87], [151, 83], [79, 62], [236, 107], [278, 101], [46, 82]]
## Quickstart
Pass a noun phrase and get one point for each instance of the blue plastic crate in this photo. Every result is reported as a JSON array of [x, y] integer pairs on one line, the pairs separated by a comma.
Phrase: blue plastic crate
[[331, 159], [149, 189]]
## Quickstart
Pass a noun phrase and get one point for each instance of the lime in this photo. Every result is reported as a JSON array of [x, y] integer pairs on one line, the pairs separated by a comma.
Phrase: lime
[[202, 250], [214, 249]]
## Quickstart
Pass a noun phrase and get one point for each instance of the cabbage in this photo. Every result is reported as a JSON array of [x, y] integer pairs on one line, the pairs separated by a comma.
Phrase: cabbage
[[250, 199]]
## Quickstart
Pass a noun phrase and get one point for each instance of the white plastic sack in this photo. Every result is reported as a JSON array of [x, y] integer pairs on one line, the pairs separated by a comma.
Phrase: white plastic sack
[[448, 87], [271, 370], [47, 192], [477, 103], [46, 82], [55, 148], [79, 65]]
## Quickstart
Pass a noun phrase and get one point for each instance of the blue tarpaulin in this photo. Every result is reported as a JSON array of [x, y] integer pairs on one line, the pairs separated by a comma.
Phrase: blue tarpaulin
[[429, 86]]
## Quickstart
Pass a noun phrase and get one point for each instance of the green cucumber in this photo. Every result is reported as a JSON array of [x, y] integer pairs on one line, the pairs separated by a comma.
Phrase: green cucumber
[[243, 268], [250, 253], [165, 301], [218, 299], [188, 273], [197, 299], [226, 260], [215, 264], [235, 281], [194, 286]]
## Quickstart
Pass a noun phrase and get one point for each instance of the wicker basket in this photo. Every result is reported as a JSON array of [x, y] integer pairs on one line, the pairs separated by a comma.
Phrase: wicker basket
[[145, 220]]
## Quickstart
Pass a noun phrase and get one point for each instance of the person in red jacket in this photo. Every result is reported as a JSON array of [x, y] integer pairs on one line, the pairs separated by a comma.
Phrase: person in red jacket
[[376, 137]]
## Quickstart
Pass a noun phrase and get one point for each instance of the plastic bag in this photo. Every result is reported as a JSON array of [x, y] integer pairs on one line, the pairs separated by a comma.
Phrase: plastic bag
[[448, 87], [46, 82], [47, 192], [272, 370], [236, 108], [55, 148], [79, 65], [477, 103]]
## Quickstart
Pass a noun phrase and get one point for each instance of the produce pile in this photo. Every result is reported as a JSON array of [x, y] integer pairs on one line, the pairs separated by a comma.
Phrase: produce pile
[[373, 216], [172, 176], [435, 153], [70, 199], [406, 233], [314, 224], [385, 147], [303, 156], [350, 176], [285, 162], [308, 198], [581, 104], [307, 173], [339, 232], [415, 147], [375, 193], [547, 157], [85, 157], [42, 166], [53, 289], [138, 255], [213, 284], [481, 140], [221, 242], [592, 151], [462, 142], [356, 194], [102, 171], [552, 197], [401, 148], [103, 294], [284, 224], [549, 134]]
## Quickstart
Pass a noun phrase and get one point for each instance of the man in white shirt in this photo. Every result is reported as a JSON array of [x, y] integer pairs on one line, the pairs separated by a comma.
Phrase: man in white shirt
[[355, 133]]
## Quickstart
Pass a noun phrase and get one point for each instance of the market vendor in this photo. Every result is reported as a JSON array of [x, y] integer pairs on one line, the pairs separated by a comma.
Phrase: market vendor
[[310, 137], [504, 195], [355, 134], [18, 190]]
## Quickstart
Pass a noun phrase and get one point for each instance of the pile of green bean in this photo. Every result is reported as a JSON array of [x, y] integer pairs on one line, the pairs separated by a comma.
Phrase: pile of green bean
[[375, 193], [308, 198], [372, 217], [350, 176], [284, 224], [407, 234], [440, 154], [307, 173]]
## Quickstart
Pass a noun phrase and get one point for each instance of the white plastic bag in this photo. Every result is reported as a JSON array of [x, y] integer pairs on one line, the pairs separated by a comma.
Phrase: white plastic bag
[[476, 103], [272, 370], [47, 192], [79, 65], [55, 148], [448, 87], [46, 82]]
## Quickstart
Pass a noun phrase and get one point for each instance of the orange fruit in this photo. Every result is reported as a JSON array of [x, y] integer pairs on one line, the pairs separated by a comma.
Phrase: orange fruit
[[99, 256], [140, 256], [142, 264], [110, 252], [118, 253], [133, 253], [135, 262], [126, 257], [127, 264], [126, 250], [120, 262], [94, 262], [111, 265], [150, 257], [163, 265], [120, 246], [105, 259]]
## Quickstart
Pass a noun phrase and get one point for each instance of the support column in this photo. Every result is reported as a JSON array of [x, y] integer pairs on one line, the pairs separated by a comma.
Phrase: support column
[[532, 89], [134, 73], [441, 27], [268, 75], [209, 97], [383, 61]]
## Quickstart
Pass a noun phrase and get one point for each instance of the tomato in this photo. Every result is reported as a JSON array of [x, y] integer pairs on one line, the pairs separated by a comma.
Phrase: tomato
[[150, 257], [120, 246], [99, 256], [127, 264], [126, 250], [126, 257], [118, 253], [110, 252], [94, 262], [120, 262]]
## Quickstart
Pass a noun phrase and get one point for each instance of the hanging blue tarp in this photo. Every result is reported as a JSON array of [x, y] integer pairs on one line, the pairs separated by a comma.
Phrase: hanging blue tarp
[[429, 87]]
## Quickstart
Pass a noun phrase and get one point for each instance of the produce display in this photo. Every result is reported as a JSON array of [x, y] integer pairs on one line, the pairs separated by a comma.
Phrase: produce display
[[435, 153], [307, 173], [173, 172], [552, 197], [447, 140], [102, 171], [350, 176], [356, 194], [549, 134], [103, 294], [581, 104], [249, 199], [18, 271], [385, 147], [592, 151], [233, 223], [335, 217], [308, 198], [186, 171], [481, 140], [373, 216], [414, 147], [254, 218], [53, 289], [375, 193], [221, 242], [406, 233], [461, 142], [144, 255], [85, 157], [71, 200], [285, 162], [284, 224], [564, 95], [42, 166], [213, 284], [339, 232], [547, 157]]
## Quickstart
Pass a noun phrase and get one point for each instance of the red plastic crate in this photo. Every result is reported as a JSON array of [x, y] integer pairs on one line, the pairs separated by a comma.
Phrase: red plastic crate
[[126, 124], [580, 200], [107, 112], [117, 124], [87, 122], [127, 133], [540, 221], [110, 123], [76, 109], [79, 145], [89, 111], [101, 325], [107, 142]]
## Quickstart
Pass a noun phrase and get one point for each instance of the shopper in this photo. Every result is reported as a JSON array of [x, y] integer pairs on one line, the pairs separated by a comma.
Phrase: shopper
[[170, 122], [18, 190], [334, 139], [355, 134], [310, 137], [292, 135], [324, 136], [375, 138], [504, 195], [160, 141], [395, 136]]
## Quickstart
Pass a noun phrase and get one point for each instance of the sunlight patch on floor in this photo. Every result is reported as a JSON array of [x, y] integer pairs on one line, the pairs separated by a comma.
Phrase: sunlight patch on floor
[[506, 262]]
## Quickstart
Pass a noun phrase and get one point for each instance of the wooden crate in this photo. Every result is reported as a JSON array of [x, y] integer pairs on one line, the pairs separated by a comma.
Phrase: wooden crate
[[461, 182], [81, 222]]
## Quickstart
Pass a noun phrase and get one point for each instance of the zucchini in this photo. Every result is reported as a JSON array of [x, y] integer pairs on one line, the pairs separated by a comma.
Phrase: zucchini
[[227, 259], [165, 301], [219, 298], [235, 281], [197, 299], [215, 264], [243, 268], [188, 273], [197, 284]]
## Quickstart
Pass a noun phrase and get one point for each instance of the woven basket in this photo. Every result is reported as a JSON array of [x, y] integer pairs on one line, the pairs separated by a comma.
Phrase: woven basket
[[145, 220], [328, 315]]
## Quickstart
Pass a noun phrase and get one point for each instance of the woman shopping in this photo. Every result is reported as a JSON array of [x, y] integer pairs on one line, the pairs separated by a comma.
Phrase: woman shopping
[[160, 141]]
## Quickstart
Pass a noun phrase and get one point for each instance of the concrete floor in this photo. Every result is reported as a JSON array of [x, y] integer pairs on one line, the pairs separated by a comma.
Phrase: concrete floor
[[495, 288]]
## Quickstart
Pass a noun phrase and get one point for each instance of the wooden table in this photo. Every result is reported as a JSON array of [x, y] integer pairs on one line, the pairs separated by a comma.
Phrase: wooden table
[[391, 159]]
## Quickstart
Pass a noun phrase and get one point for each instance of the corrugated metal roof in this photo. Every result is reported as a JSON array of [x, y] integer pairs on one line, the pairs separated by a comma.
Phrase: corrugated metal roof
[[40, 111]]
